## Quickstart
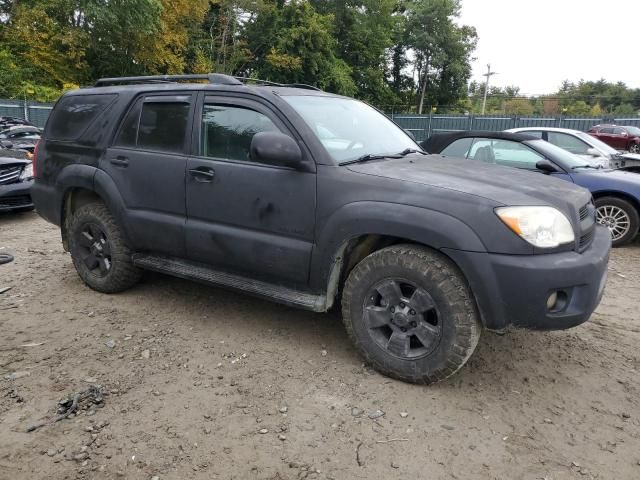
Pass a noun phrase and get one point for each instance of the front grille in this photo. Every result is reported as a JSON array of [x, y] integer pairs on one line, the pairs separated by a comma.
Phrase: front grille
[[16, 201], [584, 212], [587, 216], [586, 239], [10, 174]]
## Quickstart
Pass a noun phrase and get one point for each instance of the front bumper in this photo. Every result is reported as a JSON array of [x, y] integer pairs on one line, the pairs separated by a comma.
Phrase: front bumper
[[16, 196], [513, 289]]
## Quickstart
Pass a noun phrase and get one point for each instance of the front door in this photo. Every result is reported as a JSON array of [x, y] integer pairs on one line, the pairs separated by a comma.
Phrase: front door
[[242, 215], [147, 162]]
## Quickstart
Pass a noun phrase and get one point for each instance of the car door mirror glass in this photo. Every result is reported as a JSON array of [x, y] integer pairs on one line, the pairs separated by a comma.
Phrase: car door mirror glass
[[275, 148]]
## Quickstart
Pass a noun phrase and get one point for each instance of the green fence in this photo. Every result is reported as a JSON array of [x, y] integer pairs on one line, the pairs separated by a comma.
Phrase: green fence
[[36, 113], [422, 126]]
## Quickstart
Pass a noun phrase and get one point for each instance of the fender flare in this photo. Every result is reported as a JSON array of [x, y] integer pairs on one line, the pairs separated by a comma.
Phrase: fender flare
[[414, 224]]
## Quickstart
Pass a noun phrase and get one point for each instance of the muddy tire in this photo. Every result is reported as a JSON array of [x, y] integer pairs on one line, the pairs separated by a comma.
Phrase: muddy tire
[[410, 313], [99, 251]]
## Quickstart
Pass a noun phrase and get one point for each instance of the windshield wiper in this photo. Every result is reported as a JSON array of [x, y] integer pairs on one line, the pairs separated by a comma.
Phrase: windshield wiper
[[587, 166], [367, 157], [409, 151]]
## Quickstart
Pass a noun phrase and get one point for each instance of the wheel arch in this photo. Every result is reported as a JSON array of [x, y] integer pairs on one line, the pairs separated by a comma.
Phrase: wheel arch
[[618, 194], [82, 184], [360, 236]]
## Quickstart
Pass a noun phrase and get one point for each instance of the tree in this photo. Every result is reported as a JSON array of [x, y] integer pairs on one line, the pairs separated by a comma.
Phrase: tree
[[300, 48], [441, 48]]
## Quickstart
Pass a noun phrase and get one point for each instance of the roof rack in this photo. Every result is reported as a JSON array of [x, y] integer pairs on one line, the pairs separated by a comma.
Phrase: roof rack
[[274, 84], [214, 78], [217, 78]]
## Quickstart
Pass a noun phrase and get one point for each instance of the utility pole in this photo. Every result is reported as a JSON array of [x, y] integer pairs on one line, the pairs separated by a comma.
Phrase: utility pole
[[489, 74]]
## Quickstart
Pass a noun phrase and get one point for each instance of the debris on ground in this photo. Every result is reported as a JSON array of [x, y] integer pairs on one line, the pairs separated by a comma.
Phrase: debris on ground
[[94, 395]]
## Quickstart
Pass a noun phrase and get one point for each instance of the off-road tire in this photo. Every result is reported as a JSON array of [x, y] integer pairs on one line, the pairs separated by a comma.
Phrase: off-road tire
[[631, 212], [442, 280], [122, 274]]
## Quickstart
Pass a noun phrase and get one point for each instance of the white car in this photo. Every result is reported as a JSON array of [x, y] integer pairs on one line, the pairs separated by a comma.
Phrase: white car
[[584, 145]]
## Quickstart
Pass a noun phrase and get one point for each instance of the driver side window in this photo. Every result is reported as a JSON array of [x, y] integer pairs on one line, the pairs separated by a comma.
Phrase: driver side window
[[569, 143], [505, 153], [227, 131]]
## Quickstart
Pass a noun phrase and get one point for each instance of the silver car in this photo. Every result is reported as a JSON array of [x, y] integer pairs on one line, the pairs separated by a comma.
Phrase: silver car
[[584, 145]]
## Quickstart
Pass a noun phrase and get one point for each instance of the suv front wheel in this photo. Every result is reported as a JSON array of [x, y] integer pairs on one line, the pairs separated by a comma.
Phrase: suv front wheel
[[410, 313], [99, 251]]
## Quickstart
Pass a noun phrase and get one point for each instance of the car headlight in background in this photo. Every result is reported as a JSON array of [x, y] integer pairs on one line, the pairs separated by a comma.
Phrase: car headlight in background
[[542, 227], [27, 172]]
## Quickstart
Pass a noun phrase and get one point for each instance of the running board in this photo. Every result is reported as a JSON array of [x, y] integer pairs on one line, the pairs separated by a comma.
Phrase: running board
[[204, 274]]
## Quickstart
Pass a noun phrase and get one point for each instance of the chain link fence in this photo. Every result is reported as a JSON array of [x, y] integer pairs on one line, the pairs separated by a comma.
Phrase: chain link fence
[[36, 113]]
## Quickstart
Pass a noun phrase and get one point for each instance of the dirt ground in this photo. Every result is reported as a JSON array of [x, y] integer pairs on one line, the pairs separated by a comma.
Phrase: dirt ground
[[207, 384]]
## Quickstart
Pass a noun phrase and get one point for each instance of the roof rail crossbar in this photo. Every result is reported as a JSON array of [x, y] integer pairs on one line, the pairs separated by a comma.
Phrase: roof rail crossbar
[[217, 78], [275, 84]]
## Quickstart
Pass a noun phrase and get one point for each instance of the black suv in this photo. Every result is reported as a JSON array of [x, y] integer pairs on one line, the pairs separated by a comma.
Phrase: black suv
[[311, 199]]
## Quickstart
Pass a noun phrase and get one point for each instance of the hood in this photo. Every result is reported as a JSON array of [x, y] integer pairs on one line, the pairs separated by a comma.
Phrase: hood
[[505, 185], [10, 157], [619, 180], [628, 156]]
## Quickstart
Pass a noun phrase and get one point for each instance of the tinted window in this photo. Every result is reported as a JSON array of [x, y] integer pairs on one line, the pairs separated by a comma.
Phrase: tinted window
[[129, 129], [568, 142], [459, 148], [504, 152], [163, 126], [618, 131], [227, 131], [73, 114], [606, 130]]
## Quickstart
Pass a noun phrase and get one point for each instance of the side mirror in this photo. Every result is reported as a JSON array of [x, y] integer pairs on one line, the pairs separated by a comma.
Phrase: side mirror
[[275, 148], [593, 152], [546, 166], [410, 133]]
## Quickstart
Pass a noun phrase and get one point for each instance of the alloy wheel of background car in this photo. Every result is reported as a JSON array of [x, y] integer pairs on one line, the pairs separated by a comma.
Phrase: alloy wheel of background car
[[402, 318], [635, 148], [615, 219]]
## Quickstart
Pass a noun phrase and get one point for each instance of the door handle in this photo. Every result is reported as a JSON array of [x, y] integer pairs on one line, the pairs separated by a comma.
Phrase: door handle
[[120, 161], [203, 175]]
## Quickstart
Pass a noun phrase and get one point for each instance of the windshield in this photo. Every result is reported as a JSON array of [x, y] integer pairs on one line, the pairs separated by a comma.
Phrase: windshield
[[633, 131], [599, 144], [559, 155], [349, 129]]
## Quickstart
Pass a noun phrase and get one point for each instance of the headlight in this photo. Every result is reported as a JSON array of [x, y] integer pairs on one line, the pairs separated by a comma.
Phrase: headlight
[[542, 227], [27, 172]]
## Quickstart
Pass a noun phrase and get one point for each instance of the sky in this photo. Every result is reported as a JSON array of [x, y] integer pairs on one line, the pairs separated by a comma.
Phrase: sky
[[536, 44]]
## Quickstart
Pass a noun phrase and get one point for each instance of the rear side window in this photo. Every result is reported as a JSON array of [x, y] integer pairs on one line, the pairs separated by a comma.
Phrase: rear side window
[[73, 115], [459, 148], [128, 135], [156, 123], [163, 126]]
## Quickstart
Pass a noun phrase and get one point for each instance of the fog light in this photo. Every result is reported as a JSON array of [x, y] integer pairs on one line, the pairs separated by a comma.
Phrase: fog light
[[552, 301]]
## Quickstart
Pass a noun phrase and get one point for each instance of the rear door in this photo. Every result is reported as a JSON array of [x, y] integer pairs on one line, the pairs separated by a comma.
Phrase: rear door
[[241, 215], [147, 162]]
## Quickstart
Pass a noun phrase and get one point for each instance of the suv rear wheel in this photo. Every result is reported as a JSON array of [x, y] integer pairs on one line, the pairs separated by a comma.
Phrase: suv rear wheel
[[620, 217], [99, 251], [410, 313]]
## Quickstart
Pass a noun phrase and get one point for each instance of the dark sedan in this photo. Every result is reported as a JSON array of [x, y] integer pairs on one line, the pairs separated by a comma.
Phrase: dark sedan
[[616, 193], [16, 179]]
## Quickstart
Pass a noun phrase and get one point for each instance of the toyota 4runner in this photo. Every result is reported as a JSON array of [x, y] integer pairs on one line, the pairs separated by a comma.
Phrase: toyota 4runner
[[312, 200]]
